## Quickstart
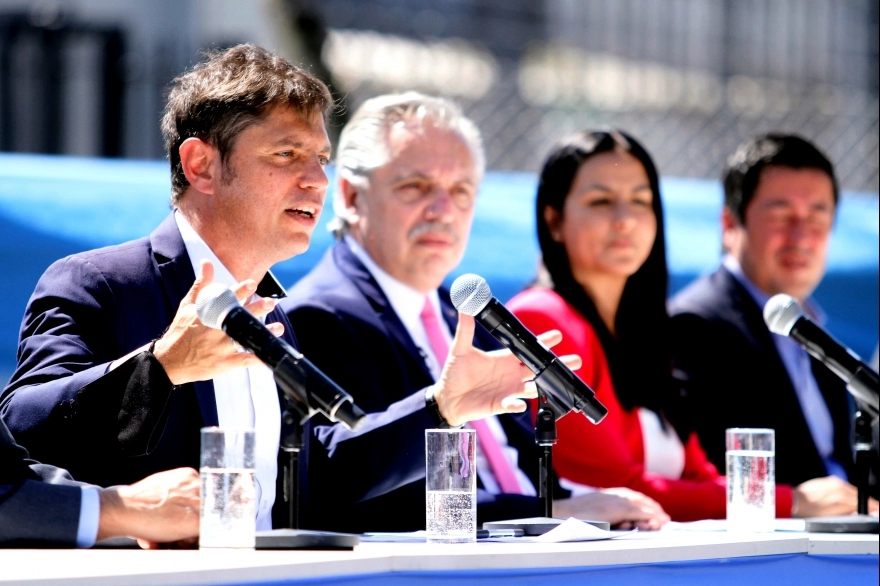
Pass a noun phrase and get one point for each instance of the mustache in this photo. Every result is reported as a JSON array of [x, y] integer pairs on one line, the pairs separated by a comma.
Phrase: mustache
[[433, 228]]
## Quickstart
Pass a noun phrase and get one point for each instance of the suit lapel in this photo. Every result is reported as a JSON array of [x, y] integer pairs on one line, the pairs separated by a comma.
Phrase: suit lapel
[[172, 262], [176, 273], [744, 312], [388, 320], [751, 322]]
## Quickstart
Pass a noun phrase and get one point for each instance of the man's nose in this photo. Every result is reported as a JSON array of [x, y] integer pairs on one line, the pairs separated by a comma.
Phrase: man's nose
[[440, 205], [797, 229], [314, 176]]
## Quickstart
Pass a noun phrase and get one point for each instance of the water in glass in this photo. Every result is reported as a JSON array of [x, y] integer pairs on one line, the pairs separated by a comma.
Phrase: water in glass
[[451, 516], [229, 502], [751, 490]]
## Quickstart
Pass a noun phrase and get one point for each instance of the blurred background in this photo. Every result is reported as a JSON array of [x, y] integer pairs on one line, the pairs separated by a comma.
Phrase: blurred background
[[82, 86]]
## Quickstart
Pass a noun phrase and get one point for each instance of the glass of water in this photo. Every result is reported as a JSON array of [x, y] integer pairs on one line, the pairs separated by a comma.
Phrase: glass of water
[[751, 480], [451, 485], [229, 496]]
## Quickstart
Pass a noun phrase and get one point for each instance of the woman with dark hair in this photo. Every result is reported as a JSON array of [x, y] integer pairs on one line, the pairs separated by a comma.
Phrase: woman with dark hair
[[600, 228]]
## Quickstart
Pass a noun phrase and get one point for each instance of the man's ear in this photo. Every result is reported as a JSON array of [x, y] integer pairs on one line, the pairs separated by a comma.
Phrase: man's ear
[[351, 199], [553, 219], [201, 164], [731, 232]]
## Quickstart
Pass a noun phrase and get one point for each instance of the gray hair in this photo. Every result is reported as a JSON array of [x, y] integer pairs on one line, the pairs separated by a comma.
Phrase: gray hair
[[363, 144]]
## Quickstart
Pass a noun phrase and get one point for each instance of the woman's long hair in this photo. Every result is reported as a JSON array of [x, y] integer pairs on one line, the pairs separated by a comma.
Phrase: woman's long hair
[[639, 356]]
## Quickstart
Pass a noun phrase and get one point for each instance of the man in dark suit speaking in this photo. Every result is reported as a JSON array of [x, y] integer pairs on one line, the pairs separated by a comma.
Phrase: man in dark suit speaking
[[373, 316], [41, 506], [115, 373], [780, 196]]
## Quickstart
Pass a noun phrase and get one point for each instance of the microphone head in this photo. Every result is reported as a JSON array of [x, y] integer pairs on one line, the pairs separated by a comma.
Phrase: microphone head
[[781, 312], [214, 303], [470, 293]]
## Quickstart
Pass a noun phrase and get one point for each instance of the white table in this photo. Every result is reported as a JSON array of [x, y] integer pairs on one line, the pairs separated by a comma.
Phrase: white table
[[677, 551]]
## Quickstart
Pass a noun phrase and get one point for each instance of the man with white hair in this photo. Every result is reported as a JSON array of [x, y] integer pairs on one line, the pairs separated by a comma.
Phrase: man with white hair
[[373, 316]]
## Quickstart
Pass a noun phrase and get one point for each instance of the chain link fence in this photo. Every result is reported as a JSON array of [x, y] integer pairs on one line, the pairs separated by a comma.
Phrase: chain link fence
[[518, 134], [692, 79]]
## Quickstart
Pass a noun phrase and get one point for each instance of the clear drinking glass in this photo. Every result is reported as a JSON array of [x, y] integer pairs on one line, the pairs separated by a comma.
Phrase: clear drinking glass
[[751, 480], [229, 496], [451, 485]]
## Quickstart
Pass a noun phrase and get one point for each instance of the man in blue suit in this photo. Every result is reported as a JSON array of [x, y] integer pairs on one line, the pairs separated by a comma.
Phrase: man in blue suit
[[116, 375], [41, 506], [373, 316], [780, 197]]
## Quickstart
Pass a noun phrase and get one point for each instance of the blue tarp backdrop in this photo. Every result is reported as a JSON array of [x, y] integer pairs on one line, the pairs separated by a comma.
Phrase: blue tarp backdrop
[[54, 206]]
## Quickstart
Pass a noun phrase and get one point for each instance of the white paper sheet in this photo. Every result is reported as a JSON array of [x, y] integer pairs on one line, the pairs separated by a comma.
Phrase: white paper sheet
[[569, 530], [414, 537]]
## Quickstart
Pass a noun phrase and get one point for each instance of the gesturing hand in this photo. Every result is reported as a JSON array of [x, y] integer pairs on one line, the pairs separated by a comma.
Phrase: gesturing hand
[[476, 384], [190, 351]]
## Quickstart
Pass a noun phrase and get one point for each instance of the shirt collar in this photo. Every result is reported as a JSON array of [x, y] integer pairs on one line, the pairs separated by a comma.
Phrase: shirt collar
[[810, 306], [406, 301], [197, 249]]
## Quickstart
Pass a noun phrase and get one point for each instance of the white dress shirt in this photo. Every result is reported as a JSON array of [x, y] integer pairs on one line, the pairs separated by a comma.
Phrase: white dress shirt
[[246, 398], [407, 304], [664, 452]]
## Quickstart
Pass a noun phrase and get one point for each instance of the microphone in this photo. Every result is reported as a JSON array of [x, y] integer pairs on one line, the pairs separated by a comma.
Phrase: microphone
[[301, 381], [784, 316], [563, 390]]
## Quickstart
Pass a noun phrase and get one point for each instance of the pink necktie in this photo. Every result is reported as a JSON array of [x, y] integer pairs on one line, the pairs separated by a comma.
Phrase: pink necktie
[[435, 335], [501, 468]]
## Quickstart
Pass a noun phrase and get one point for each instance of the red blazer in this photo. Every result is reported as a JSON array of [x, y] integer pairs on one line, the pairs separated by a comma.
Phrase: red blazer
[[612, 453]]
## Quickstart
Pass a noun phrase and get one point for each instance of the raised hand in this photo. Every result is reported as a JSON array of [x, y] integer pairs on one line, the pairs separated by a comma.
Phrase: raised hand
[[476, 384], [190, 351]]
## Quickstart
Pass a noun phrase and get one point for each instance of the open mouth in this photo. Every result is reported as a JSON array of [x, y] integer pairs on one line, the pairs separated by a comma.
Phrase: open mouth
[[305, 211]]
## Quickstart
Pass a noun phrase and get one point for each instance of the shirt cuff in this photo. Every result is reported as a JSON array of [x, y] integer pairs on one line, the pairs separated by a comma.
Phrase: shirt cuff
[[89, 515]]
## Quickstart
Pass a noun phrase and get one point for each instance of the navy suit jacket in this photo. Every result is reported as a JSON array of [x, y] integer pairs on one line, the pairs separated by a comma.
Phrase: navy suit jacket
[[734, 377], [39, 504], [62, 403], [374, 479]]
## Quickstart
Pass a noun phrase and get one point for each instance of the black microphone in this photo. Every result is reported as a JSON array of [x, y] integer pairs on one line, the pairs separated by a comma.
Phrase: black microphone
[[301, 381], [563, 390], [784, 316]]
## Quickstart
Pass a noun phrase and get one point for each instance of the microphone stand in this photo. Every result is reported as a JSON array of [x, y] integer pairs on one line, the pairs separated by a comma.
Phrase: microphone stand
[[292, 424], [863, 446], [545, 437], [286, 516]]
